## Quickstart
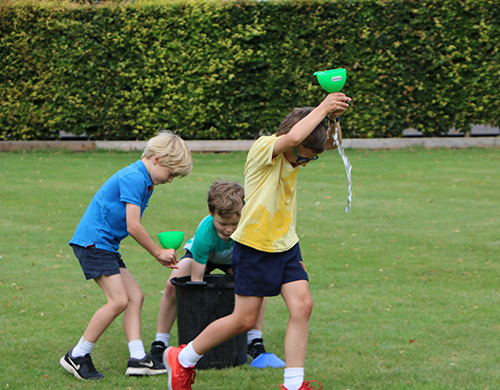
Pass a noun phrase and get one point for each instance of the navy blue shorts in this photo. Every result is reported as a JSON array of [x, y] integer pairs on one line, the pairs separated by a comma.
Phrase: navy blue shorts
[[261, 274], [210, 266], [96, 262]]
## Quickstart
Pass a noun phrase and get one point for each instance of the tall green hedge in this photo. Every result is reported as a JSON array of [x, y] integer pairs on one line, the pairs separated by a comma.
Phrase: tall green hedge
[[233, 69]]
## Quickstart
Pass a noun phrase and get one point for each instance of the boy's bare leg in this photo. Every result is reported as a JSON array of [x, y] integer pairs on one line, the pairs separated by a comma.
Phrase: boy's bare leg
[[116, 295], [242, 319], [262, 313], [255, 342], [132, 315], [139, 363], [299, 303], [167, 311]]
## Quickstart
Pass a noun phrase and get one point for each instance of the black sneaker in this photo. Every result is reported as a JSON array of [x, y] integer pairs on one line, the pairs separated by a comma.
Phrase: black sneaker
[[81, 367], [255, 348], [157, 349], [145, 366]]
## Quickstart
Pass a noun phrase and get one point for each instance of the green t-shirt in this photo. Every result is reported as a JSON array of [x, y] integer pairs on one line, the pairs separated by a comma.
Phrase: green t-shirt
[[206, 245]]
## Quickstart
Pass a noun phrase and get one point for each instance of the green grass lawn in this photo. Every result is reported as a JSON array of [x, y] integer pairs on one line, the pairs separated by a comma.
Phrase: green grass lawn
[[406, 285]]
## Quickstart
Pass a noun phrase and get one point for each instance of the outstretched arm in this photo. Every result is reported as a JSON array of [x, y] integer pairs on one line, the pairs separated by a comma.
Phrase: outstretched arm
[[166, 257]]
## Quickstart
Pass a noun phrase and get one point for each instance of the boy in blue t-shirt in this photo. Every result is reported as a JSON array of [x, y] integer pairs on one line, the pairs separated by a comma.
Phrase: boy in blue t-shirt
[[115, 212], [211, 248]]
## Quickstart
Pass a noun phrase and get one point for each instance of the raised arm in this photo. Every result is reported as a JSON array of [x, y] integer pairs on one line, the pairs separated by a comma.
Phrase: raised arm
[[334, 103]]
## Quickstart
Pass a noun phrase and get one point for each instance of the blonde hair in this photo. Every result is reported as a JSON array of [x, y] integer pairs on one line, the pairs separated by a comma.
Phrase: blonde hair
[[225, 198], [172, 152]]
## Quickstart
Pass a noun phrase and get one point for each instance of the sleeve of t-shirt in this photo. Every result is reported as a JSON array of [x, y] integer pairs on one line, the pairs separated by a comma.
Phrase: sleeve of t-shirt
[[262, 151], [132, 188], [202, 245]]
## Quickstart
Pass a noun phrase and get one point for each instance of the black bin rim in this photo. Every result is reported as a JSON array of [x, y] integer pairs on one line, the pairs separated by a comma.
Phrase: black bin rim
[[211, 281]]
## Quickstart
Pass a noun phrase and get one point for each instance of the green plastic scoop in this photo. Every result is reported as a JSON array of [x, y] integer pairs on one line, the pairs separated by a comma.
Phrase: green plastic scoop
[[171, 240], [332, 80]]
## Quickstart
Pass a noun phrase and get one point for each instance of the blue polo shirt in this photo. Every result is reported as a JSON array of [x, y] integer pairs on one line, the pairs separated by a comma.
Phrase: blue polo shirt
[[104, 223]]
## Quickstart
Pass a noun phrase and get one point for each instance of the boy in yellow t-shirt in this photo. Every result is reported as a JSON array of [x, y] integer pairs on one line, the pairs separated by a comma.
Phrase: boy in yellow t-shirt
[[266, 255]]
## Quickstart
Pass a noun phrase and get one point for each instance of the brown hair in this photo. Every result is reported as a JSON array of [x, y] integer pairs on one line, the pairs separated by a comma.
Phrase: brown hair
[[316, 141], [226, 198]]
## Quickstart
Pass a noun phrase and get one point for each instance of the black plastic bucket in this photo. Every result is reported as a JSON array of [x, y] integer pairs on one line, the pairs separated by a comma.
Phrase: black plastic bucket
[[199, 304]]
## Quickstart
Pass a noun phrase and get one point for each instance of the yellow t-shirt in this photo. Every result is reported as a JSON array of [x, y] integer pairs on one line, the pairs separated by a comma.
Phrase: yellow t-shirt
[[268, 218]]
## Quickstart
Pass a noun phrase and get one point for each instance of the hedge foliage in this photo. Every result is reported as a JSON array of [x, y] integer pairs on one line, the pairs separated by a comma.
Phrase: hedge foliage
[[233, 69]]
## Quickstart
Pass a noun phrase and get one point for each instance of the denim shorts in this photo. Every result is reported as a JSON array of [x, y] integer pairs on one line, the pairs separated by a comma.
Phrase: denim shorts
[[96, 262], [261, 274], [209, 266]]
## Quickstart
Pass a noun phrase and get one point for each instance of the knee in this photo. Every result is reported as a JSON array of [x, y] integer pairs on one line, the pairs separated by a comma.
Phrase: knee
[[119, 305], [246, 324], [308, 307], [303, 309], [137, 298], [169, 291]]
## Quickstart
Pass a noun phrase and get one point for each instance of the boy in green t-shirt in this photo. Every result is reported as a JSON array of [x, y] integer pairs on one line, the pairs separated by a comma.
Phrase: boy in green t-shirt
[[211, 248]]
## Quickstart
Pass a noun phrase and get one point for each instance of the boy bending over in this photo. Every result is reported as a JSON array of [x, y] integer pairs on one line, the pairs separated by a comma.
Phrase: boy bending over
[[115, 212], [211, 248]]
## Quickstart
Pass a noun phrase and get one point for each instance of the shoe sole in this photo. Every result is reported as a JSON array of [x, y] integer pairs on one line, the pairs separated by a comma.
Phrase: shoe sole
[[169, 369], [143, 371], [68, 367]]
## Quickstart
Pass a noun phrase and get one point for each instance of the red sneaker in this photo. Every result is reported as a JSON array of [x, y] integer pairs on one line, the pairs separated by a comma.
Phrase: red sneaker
[[179, 377], [306, 386]]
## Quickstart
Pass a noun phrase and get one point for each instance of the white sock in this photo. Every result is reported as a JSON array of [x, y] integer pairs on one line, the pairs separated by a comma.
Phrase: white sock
[[136, 349], [163, 337], [294, 378], [82, 348], [188, 356], [253, 334]]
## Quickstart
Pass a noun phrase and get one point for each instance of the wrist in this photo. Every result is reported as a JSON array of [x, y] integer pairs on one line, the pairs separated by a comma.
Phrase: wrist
[[157, 253], [323, 111]]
